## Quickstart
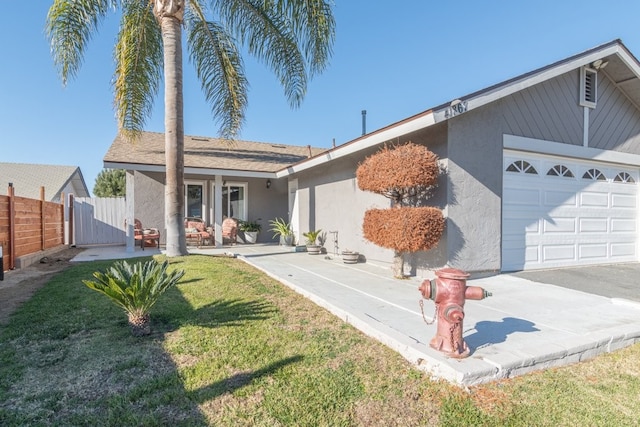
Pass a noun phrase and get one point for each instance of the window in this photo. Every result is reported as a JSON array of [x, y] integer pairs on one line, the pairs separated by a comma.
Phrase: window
[[194, 200], [624, 177], [520, 166], [594, 174], [560, 170], [234, 200]]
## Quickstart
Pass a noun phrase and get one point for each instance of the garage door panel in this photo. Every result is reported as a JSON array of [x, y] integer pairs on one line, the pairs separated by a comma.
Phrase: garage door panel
[[623, 201], [594, 251], [559, 198], [555, 253], [559, 226], [623, 225], [523, 196], [556, 221], [623, 250], [593, 225], [594, 199]]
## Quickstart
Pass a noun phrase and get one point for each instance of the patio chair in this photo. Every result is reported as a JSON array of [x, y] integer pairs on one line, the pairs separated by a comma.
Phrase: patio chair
[[144, 235], [230, 230], [196, 230]]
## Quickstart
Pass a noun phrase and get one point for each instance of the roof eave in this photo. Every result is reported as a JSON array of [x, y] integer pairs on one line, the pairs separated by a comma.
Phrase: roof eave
[[190, 170]]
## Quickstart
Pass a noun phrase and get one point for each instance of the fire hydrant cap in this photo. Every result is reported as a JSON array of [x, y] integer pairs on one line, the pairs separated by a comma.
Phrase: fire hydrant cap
[[452, 273]]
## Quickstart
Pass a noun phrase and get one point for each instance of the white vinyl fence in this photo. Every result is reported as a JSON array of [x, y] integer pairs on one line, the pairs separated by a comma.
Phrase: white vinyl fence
[[99, 220]]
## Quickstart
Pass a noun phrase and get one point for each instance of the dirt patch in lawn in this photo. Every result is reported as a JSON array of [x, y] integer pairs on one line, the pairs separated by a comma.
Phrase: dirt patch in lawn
[[19, 285]]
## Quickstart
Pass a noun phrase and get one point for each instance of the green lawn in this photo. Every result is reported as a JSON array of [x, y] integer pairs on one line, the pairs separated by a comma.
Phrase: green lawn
[[232, 347]]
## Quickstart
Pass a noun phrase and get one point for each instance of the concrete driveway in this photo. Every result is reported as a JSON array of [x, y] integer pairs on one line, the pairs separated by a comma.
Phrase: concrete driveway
[[611, 281]]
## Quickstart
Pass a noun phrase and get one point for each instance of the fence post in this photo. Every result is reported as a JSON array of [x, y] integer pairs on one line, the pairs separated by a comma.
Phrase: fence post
[[71, 205], [42, 239], [12, 227]]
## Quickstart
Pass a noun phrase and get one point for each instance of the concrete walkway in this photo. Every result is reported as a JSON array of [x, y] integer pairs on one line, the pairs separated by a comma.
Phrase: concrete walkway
[[525, 326]]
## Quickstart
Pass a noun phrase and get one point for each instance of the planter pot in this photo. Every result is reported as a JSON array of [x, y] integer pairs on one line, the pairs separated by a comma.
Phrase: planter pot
[[350, 257], [286, 240], [251, 236], [314, 249]]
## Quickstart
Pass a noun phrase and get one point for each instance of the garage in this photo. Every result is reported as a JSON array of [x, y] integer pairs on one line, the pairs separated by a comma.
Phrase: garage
[[560, 212]]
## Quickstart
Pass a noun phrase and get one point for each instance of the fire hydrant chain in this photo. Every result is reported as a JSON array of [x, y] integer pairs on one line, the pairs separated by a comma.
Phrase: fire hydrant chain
[[435, 314]]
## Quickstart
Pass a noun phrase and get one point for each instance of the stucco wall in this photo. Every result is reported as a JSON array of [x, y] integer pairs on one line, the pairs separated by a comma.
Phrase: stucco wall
[[329, 199], [149, 201], [475, 188]]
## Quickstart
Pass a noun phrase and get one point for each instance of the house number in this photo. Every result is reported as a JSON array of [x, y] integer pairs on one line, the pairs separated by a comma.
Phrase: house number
[[456, 109]]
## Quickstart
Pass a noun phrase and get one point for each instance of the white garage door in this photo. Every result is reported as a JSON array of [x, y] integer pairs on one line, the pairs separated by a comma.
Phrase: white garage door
[[558, 212]]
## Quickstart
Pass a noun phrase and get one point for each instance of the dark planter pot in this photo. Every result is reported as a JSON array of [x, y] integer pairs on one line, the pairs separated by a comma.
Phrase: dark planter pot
[[350, 257], [314, 249]]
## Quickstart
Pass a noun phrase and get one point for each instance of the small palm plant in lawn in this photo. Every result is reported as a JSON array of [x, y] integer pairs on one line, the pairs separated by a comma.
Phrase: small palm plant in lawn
[[135, 288]]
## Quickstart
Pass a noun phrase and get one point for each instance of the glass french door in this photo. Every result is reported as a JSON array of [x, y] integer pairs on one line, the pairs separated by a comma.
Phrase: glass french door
[[194, 203], [234, 200]]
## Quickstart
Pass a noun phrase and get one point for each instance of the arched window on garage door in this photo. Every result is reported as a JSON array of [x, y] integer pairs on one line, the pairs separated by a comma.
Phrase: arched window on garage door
[[595, 175], [624, 177], [560, 170], [521, 166]]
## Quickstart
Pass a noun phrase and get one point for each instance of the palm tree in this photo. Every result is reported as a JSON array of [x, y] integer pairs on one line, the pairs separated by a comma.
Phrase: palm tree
[[292, 37]]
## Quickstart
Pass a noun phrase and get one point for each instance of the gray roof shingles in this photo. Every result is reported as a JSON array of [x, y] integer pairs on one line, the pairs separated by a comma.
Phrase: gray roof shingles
[[210, 153], [27, 179]]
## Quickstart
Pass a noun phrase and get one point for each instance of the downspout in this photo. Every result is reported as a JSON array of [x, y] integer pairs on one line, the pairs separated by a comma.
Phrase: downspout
[[585, 128]]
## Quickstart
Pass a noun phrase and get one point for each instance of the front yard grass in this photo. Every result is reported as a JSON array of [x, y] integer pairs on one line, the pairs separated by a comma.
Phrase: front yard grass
[[233, 347]]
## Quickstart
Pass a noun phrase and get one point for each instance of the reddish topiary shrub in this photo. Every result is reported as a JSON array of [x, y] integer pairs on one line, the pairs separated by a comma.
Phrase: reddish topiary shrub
[[399, 172], [404, 174], [406, 229]]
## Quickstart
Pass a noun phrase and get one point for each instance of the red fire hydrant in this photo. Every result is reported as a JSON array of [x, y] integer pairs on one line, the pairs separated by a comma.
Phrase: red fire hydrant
[[449, 291]]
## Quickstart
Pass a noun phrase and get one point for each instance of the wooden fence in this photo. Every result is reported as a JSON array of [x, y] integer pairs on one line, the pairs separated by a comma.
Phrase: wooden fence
[[28, 226]]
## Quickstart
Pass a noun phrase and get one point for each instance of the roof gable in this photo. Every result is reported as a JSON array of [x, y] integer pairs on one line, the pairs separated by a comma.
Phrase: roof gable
[[623, 69], [28, 178]]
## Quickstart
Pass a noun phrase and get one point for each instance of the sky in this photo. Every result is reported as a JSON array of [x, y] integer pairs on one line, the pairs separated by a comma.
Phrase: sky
[[393, 59]]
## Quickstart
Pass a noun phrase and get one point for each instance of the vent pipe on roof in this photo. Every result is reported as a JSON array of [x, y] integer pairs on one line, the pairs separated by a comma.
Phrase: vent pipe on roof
[[364, 122], [334, 143], [309, 147]]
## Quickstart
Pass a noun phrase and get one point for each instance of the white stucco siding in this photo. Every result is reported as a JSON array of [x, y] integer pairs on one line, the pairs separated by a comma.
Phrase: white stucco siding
[[474, 193]]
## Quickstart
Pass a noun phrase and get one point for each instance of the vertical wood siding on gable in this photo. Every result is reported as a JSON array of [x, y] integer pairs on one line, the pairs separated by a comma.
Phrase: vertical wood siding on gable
[[615, 122], [547, 111]]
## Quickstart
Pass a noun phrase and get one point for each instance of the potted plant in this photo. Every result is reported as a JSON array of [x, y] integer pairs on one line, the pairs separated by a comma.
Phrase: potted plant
[[282, 229], [312, 245], [250, 230], [350, 257]]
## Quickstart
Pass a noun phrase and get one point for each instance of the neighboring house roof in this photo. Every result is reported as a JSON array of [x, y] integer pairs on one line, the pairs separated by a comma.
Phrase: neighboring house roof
[[28, 178], [206, 155], [622, 68]]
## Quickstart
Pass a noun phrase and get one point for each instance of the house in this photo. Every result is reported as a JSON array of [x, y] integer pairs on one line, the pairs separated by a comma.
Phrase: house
[[237, 176], [27, 179], [542, 171]]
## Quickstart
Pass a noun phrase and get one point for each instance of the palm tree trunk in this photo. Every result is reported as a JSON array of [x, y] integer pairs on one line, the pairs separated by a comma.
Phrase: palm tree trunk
[[170, 15]]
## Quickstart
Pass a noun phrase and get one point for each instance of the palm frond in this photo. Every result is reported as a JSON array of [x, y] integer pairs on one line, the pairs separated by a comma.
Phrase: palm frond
[[139, 61], [313, 23], [69, 26], [134, 287], [220, 69], [270, 37]]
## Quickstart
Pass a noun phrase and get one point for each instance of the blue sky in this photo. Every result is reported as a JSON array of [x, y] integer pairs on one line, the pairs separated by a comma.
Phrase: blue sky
[[391, 58]]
